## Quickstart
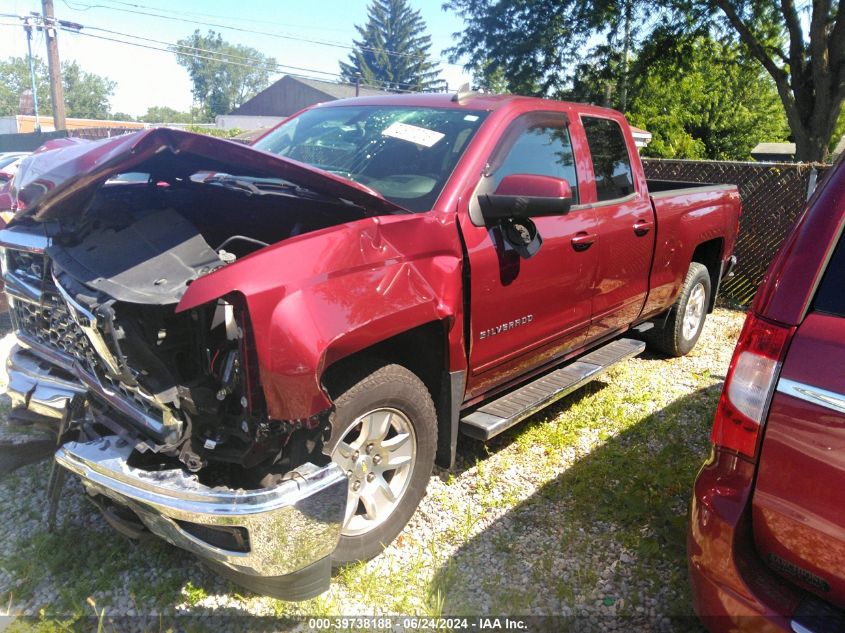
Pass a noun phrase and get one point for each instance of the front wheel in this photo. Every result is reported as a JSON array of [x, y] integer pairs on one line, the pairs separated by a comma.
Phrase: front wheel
[[679, 332], [387, 429]]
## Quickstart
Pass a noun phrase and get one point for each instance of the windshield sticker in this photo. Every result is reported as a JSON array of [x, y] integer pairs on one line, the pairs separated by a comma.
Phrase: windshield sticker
[[471, 117], [413, 134]]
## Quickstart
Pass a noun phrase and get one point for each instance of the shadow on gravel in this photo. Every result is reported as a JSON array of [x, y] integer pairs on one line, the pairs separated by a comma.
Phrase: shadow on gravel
[[604, 543], [15, 455]]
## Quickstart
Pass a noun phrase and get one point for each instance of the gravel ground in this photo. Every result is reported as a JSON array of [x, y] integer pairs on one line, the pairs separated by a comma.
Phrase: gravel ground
[[580, 511]]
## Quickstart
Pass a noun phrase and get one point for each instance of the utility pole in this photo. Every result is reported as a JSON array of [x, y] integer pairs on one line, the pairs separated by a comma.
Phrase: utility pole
[[56, 91], [28, 28]]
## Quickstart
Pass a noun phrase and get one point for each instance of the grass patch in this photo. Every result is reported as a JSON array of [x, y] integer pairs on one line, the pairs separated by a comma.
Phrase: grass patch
[[61, 559], [619, 466], [79, 563], [193, 595]]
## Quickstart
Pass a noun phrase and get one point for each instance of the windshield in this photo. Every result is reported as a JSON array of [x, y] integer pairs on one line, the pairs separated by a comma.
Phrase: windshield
[[405, 154], [5, 161]]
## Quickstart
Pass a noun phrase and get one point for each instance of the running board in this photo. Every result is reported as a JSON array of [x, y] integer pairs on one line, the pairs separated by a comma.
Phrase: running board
[[501, 414]]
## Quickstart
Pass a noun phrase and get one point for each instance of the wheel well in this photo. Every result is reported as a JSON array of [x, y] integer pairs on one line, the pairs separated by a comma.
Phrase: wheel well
[[424, 351], [710, 255]]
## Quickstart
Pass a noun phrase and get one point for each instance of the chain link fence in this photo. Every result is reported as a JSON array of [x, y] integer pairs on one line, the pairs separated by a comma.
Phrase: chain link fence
[[773, 194]]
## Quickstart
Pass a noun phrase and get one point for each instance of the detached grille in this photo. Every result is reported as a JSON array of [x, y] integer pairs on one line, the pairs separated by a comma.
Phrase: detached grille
[[50, 324], [41, 315]]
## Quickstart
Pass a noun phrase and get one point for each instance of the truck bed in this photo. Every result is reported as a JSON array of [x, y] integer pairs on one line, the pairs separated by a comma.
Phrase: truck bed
[[660, 188], [715, 209]]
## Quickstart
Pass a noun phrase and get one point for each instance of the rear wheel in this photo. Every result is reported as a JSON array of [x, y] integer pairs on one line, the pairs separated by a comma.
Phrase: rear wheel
[[387, 430], [678, 333]]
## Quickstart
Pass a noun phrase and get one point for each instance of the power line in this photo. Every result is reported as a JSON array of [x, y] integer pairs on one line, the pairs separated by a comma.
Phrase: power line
[[181, 49], [210, 58], [230, 17], [212, 55], [250, 31], [287, 35]]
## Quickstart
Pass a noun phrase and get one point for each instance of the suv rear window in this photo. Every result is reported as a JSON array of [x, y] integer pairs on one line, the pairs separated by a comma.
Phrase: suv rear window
[[830, 297]]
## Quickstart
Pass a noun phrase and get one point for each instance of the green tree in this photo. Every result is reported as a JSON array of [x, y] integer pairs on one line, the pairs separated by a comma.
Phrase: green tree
[[838, 132], [535, 44], [14, 79], [121, 116], [799, 43], [490, 81], [598, 79], [804, 55], [393, 52], [719, 105], [223, 75], [164, 114], [86, 94]]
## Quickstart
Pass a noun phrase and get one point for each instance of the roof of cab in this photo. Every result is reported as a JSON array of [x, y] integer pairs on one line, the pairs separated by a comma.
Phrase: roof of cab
[[470, 101]]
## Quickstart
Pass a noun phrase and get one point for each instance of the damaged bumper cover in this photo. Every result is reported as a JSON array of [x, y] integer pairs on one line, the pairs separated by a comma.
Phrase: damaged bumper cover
[[39, 387], [286, 533], [43, 381]]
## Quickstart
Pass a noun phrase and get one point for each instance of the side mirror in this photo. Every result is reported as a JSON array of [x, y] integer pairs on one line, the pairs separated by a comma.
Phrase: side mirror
[[523, 196]]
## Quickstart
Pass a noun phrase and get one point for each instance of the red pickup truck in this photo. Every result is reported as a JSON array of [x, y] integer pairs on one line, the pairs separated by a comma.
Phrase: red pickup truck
[[259, 353]]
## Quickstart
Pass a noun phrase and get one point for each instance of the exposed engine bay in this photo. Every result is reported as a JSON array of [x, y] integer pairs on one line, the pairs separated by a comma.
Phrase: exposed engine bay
[[100, 302]]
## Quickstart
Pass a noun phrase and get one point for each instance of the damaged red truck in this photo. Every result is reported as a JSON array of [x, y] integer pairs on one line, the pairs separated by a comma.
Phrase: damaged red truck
[[259, 353]]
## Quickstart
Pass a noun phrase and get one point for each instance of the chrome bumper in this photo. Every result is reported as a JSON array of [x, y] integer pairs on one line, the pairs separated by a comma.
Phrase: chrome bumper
[[289, 526], [39, 386]]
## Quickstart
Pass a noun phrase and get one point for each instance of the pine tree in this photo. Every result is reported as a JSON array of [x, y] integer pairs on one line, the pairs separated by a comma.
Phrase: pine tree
[[393, 52]]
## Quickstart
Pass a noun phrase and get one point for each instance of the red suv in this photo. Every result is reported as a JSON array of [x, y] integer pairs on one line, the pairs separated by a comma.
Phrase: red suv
[[767, 533]]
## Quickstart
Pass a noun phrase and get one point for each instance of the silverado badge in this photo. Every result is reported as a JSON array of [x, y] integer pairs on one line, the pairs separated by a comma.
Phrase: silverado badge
[[505, 327]]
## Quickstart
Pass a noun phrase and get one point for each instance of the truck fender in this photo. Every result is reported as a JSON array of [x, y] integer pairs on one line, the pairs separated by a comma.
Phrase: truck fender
[[319, 297]]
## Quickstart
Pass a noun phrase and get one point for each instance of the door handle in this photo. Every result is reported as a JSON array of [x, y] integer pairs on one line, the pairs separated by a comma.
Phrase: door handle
[[641, 227], [583, 240]]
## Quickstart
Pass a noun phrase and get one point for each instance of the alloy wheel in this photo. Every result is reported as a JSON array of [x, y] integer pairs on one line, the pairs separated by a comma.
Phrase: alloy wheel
[[377, 452], [694, 312]]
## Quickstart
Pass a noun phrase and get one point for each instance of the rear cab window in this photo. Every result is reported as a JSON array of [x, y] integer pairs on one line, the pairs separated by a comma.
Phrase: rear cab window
[[609, 154]]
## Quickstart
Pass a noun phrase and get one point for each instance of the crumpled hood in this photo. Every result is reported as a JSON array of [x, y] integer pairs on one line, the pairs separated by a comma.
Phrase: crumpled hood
[[53, 183]]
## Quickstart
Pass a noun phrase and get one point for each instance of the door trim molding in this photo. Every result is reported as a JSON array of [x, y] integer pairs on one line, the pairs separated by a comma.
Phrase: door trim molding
[[814, 395]]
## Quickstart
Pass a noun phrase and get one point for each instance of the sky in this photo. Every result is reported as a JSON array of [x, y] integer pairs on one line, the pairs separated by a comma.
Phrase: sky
[[153, 78]]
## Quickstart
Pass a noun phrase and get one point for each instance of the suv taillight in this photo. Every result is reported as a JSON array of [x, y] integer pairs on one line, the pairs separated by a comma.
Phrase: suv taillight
[[751, 379]]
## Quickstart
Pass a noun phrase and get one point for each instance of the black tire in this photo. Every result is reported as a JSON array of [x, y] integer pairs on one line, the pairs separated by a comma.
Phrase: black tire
[[396, 388], [669, 336]]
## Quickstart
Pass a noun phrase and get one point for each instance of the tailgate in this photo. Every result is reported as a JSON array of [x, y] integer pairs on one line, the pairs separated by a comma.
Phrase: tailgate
[[799, 500]]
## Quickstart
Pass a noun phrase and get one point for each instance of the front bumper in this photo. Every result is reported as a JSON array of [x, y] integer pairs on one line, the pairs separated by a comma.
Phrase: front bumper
[[289, 527], [285, 533], [39, 387]]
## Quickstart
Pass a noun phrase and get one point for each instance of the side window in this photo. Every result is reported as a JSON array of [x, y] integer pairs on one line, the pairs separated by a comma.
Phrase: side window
[[830, 298], [536, 145], [611, 163]]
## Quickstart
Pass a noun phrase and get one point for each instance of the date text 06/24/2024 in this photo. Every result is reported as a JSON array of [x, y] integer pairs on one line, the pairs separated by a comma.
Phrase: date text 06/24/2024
[[410, 623]]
